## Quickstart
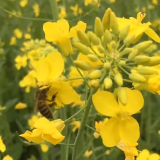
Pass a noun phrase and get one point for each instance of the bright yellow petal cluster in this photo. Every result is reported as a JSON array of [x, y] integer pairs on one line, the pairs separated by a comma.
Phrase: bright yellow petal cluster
[[21, 61], [76, 125], [7, 157], [32, 121], [18, 33], [76, 10], [138, 28], [36, 9], [45, 130], [23, 3], [62, 13], [2, 145], [88, 154], [121, 127], [20, 105], [44, 147]]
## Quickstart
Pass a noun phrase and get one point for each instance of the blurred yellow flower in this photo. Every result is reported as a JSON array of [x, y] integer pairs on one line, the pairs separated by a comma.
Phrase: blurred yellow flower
[[45, 130], [155, 2], [2, 145], [76, 125], [76, 10], [138, 28], [44, 147], [32, 121], [36, 9], [20, 105], [62, 13], [18, 34], [21, 61], [27, 36], [7, 157], [145, 155], [87, 154], [13, 41], [112, 1], [23, 3], [28, 81], [121, 127]]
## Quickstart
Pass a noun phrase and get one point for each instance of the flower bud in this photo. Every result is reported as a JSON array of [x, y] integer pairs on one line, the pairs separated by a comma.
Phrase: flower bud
[[141, 59], [95, 74], [84, 49], [137, 77], [114, 23], [118, 79], [82, 65], [124, 32], [129, 39], [126, 51], [83, 38], [93, 57], [107, 37], [143, 45], [94, 83], [132, 55], [106, 65], [93, 38], [153, 61], [122, 95], [122, 62], [147, 70], [100, 49], [98, 27], [108, 83], [106, 19], [151, 48]]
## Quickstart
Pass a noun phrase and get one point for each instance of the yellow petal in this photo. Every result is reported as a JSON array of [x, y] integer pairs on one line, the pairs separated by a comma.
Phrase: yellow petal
[[152, 35], [105, 103], [2, 145], [64, 26], [65, 93], [135, 101], [129, 130], [143, 155], [110, 132], [7, 157], [154, 156], [44, 147]]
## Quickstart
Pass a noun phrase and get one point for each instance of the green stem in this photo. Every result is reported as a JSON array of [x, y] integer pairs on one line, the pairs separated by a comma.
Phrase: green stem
[[54, 8]]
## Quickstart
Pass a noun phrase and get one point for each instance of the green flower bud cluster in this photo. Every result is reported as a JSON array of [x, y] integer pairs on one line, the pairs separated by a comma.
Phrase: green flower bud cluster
[[115, 51]]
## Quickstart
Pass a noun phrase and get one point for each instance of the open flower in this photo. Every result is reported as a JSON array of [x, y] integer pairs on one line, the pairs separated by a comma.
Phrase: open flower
[[121, 127], [45, 130], [138, 28]]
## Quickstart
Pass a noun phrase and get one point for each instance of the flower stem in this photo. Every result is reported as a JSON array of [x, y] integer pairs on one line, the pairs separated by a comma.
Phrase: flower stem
[[54, 8]]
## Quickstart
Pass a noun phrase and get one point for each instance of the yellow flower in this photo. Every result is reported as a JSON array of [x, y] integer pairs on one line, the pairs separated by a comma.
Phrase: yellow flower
[[20, 105], [129, 150], [13, 41], [121, 127], [76, 125], [112, 1], [32, 121], [76, 10], [27, 36], [138, 28], [28, 81], [2, 145], [21, 61], [145, 155], [18, 34], [58, 32], [36, 9], [45, 131], [155, 2], [23, 3], [62, 13], [7, 157], [44, 147], [88, 154]]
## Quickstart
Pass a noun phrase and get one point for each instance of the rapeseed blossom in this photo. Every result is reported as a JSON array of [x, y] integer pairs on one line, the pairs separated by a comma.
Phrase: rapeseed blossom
[[2, 145], [20, 105], [121, 127], [7, 157]]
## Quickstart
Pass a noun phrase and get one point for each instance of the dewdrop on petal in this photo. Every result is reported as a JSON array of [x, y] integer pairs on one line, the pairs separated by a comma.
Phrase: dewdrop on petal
[[106, 19], [107, 37], [98, 27], [82, 65], [136, 77], [95, 74], [153, 61], [142, 59], [118, 79], [122, 95], [83, 38], [132, 55], [147, 70], [124, 32], [93, 38], [114, 23], [83, 49], [107, 83], [143, 45], [93, 57], [129, 39]]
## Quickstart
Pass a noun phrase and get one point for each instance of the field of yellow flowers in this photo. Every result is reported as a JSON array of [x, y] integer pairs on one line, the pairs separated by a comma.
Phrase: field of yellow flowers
[[79, 79]]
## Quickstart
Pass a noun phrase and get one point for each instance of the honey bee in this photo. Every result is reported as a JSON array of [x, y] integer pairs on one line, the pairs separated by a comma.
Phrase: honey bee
[[41, 102]]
